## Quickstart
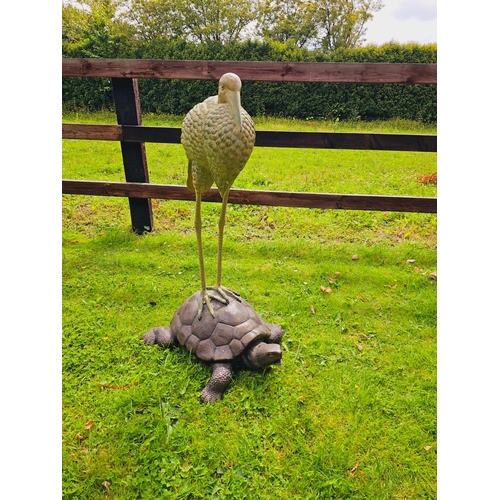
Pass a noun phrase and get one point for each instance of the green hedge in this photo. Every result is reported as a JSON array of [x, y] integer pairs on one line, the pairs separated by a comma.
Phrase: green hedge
[[286, 99]]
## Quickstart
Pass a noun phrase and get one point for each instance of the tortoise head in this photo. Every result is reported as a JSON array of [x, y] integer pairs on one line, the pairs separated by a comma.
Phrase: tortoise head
[[261, 355]]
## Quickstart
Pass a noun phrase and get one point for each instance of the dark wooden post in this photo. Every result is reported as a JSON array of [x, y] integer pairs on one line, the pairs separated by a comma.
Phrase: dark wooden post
[[128, 112]]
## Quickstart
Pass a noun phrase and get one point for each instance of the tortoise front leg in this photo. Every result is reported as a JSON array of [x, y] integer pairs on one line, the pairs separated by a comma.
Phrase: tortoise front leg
[[221, 376]]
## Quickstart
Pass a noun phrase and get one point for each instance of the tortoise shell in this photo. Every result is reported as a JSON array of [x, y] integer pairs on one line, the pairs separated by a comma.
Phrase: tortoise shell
[[220, 338]]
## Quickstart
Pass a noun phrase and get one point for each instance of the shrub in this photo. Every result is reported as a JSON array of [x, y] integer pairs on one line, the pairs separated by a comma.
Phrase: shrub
[[285, 99]]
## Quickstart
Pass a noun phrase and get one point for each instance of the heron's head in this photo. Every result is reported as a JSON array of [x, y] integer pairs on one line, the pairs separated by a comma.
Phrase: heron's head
[[229, 92]]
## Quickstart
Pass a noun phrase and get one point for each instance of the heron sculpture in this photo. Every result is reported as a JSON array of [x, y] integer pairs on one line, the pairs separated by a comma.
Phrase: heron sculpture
[[218, 136]]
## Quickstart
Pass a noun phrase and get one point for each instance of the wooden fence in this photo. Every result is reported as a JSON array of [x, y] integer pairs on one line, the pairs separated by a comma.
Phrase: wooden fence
[[124, 75]]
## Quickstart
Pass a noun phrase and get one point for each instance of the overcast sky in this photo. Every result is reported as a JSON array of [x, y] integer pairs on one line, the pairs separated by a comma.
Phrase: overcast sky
[[404, 21]]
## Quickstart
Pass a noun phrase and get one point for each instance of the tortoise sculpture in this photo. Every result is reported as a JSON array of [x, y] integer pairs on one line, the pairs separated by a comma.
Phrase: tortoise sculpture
[[235, 337]]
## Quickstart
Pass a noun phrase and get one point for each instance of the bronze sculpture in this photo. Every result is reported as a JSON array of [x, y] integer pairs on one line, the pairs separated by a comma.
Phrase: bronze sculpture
[[236, 337], [218, 136]]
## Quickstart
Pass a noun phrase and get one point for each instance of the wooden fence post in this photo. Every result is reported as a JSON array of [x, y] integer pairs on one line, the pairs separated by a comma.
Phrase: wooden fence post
[[128, 112]]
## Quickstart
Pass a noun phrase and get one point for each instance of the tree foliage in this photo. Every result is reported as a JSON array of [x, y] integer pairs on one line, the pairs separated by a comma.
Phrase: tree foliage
[[326, 25], [342, 23], [92, 28], [216, 20], [153, 19], [287, 20], [201, 21]]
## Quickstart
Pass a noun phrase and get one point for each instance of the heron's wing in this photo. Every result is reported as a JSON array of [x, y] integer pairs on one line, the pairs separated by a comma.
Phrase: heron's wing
[[226, 148], [192, 133], [193, 139], [201, 179]]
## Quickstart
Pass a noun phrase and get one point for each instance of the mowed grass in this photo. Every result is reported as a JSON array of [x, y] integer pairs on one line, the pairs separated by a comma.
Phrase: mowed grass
[[351, 413]]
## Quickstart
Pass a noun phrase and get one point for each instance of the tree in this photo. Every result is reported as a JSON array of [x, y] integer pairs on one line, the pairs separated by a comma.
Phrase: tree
[[202, 21], [74, 20], [92, 28], [325, 24], [341, 23], [102, 28], [217, 20], [154, 19], [287, 20]]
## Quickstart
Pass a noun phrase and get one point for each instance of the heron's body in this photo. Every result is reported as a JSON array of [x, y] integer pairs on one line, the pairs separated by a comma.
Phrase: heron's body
[[215, 147], [218, 136]]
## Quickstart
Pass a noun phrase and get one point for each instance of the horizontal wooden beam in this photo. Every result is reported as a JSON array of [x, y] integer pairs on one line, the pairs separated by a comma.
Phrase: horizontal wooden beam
[[92, 132], [322, 140], [255, 197], [326, 72]]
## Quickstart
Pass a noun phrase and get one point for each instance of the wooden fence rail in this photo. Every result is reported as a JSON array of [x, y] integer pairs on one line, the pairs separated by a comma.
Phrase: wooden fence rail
[[132, 134], [255, 197], [263, 71], [325, 140]]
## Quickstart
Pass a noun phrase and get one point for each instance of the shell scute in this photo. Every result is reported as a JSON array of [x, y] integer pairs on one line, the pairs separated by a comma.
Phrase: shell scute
[[175, 324], [206, 350], [188, 311], [183, 334], [204, 328], [222, 335], [236, 347], [260, 332], [241, 330], [223, 353], [192, 343], [255, 315], [233, 314]]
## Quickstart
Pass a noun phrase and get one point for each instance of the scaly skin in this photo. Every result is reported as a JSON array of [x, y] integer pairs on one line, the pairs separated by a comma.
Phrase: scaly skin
[[221, 377], [235, 338]]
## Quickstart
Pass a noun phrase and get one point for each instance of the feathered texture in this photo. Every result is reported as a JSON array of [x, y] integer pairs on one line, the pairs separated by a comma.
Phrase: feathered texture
[[216, 148]]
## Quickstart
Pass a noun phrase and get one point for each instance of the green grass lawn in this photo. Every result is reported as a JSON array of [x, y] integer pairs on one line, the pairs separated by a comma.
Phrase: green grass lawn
[[351, 413]]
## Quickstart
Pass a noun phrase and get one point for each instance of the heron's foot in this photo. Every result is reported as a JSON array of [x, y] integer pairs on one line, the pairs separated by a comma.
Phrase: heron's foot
[[219, 293], [225, 294], [205, 299]]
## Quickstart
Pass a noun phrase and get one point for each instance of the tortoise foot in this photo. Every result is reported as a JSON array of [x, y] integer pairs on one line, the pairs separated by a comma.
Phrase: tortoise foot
[[221, 377], [158, 335]]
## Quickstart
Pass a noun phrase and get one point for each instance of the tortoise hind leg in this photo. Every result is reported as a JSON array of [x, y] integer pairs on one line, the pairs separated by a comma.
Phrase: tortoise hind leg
[[221, 376], [159, 335]]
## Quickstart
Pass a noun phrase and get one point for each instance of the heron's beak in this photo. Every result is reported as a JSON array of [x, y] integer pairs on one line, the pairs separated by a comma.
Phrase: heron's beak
[[234, 101]]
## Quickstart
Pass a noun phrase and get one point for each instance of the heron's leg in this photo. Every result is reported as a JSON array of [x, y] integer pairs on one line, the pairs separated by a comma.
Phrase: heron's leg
[[222, 222], [205, 299], [197, 226], [223, 291]]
